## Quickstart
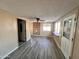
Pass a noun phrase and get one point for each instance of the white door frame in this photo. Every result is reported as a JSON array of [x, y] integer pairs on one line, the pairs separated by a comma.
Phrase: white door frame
[[67, 44]]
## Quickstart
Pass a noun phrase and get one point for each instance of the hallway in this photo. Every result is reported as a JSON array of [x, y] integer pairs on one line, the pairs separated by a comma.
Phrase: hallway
[[37, 48]]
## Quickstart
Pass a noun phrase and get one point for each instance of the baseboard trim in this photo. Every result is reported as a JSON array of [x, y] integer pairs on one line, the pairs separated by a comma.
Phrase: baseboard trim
[[9, 53], [40, 35]]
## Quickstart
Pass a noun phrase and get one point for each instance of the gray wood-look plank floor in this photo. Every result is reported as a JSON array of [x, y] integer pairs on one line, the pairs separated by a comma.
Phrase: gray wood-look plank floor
[[36, 48]]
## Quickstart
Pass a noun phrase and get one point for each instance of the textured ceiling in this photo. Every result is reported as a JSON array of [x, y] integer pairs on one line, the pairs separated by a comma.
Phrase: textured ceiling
[[45, 9]]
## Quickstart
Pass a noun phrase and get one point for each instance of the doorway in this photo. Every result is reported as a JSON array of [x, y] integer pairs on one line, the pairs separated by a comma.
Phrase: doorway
[[21, 31], [67, 41]]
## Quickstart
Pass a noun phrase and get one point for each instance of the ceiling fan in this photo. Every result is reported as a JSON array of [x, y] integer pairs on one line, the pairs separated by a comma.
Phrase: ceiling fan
[[35, 18], [38, 19]]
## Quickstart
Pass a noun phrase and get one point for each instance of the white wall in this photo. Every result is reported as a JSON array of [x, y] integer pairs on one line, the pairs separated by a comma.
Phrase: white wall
[[75, 54], [8, 33], [29, 29]]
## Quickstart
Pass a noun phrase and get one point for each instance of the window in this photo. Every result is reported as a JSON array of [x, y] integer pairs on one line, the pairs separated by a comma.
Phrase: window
[[57, 28], [46, 27]]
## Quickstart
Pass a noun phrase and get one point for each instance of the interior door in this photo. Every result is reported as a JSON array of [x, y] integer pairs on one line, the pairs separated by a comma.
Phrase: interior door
[[21, 30], [69, 25]]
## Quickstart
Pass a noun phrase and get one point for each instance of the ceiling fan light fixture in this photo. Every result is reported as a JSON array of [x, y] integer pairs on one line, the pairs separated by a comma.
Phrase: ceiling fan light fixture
[[37, 19]]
